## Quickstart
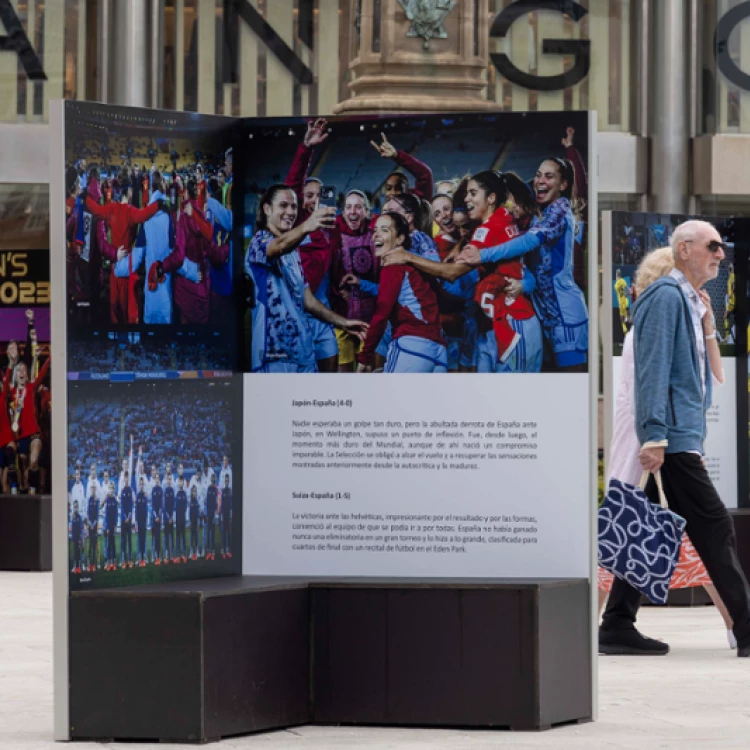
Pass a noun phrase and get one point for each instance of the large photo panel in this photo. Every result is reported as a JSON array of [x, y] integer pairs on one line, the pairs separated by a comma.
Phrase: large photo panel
[[148, 199], [25, 422], [628, 238], [408, 245], [152, 471], [416, 244]]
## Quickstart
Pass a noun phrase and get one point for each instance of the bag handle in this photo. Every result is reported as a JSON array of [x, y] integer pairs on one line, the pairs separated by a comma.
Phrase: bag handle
[[659, 486]]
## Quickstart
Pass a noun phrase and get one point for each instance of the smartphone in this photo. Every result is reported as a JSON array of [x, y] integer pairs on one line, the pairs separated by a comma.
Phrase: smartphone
[[327, 196]]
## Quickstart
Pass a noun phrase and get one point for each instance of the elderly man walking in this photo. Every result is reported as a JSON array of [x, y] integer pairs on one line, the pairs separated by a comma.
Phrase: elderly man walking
[[672, 325]]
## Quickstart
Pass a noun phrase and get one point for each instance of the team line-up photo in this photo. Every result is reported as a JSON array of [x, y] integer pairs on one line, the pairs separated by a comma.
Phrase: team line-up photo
[[150, 482], [148, 227], [479, 271]]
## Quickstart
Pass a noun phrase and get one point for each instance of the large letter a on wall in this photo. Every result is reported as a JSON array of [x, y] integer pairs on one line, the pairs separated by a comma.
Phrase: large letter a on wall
[[17, 41]]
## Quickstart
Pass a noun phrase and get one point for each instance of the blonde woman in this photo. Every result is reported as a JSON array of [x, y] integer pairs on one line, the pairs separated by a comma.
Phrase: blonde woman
[[624, 463]]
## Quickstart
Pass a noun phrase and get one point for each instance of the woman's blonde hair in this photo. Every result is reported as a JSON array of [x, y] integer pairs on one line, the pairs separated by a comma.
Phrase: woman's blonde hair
[[656, 264]]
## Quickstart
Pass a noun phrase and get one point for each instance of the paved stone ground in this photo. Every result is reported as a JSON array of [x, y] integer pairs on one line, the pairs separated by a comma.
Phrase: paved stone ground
[[698, 696]]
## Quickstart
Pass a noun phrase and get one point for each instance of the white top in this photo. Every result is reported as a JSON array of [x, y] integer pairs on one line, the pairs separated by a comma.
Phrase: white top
[[624, 463], [77, 493], [697, 311], [222, 474]]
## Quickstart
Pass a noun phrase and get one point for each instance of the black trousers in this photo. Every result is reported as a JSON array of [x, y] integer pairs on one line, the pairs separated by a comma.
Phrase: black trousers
[[690, 493]]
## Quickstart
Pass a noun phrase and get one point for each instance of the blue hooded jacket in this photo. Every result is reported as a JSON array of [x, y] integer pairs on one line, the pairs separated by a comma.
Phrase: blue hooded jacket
[[669, 400]]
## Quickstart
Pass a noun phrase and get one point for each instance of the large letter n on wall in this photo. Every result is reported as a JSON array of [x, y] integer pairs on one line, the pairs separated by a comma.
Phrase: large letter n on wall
[[236, 9]]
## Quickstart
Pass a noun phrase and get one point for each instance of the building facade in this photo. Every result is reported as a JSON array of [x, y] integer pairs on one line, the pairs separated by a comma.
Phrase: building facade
[[669, 79]]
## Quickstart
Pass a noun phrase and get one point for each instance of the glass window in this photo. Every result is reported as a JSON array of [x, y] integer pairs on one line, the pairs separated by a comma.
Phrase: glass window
[[24, 217], [726, 67]]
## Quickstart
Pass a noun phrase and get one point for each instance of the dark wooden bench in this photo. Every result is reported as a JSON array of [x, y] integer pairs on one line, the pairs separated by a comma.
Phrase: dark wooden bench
[[25, 532], [208, 659]]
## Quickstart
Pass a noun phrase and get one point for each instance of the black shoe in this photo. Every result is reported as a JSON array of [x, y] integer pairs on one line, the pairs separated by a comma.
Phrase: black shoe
[[743, 651], [630, 642]]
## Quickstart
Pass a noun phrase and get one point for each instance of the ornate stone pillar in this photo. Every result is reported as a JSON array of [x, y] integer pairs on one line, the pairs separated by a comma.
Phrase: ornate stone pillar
[[418, 55]]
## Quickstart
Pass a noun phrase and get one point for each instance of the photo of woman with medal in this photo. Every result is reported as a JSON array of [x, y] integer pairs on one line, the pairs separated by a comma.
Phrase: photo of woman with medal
[[23, 414], [7, 444]]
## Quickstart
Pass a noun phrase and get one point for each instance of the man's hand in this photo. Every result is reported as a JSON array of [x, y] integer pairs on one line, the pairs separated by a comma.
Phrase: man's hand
[[652, 458], [357, 328], [396, 257], [30, 316], [470, 256], [321, 218], [188, 209], [316, 132], [122, 252], [708, 321], [385, 149], [568, 140]]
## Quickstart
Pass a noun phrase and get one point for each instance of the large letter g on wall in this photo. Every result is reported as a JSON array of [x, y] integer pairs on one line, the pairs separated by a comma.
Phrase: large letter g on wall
[[580, 49]]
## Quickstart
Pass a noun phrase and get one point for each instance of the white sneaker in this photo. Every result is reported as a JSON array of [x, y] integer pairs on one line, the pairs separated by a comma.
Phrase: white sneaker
[[732, 640]]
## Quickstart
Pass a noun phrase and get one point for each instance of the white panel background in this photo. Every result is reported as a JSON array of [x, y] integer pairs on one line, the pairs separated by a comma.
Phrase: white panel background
[[554, 488]]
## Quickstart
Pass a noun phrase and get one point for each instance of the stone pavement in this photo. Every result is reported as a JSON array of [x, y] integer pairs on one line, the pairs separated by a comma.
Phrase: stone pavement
[[698, 696]]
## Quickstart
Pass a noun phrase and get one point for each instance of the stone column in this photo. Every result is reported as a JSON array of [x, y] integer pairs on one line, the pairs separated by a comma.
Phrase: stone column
[[670, 124], [129, 45], [435, 60]]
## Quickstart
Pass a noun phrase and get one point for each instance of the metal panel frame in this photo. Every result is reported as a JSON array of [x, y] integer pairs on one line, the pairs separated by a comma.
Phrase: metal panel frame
[[60, 422], [593, 447]]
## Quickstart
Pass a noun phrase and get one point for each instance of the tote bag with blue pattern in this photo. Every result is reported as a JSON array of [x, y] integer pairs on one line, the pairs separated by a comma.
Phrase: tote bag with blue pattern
[[639, 541]]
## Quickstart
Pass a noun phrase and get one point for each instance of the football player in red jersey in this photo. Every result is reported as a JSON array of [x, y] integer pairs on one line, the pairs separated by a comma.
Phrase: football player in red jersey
[[503, 326], [406, 299], [24, 422], [510, 338], [7, 439]]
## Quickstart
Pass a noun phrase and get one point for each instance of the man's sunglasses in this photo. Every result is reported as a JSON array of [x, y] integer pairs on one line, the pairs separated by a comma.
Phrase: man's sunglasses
[[714, 245]]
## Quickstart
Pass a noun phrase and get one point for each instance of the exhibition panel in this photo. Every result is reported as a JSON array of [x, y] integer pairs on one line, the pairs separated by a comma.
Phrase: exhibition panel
[[212, 265]]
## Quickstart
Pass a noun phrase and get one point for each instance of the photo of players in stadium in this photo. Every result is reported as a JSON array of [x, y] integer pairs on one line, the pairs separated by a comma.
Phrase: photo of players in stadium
[[417, 244], [636, 234], [25, 397], [151, 482], [149, 221]]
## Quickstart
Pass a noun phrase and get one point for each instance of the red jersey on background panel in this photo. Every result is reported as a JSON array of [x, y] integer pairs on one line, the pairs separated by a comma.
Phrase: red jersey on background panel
[[490, 291]]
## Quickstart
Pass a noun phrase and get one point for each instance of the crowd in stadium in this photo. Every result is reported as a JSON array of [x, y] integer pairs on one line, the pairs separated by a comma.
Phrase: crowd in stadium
[[147, 356], [176, 428]]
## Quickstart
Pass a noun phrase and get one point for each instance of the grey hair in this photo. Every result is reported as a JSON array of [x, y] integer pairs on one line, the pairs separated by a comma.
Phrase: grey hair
[[687, 231]]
